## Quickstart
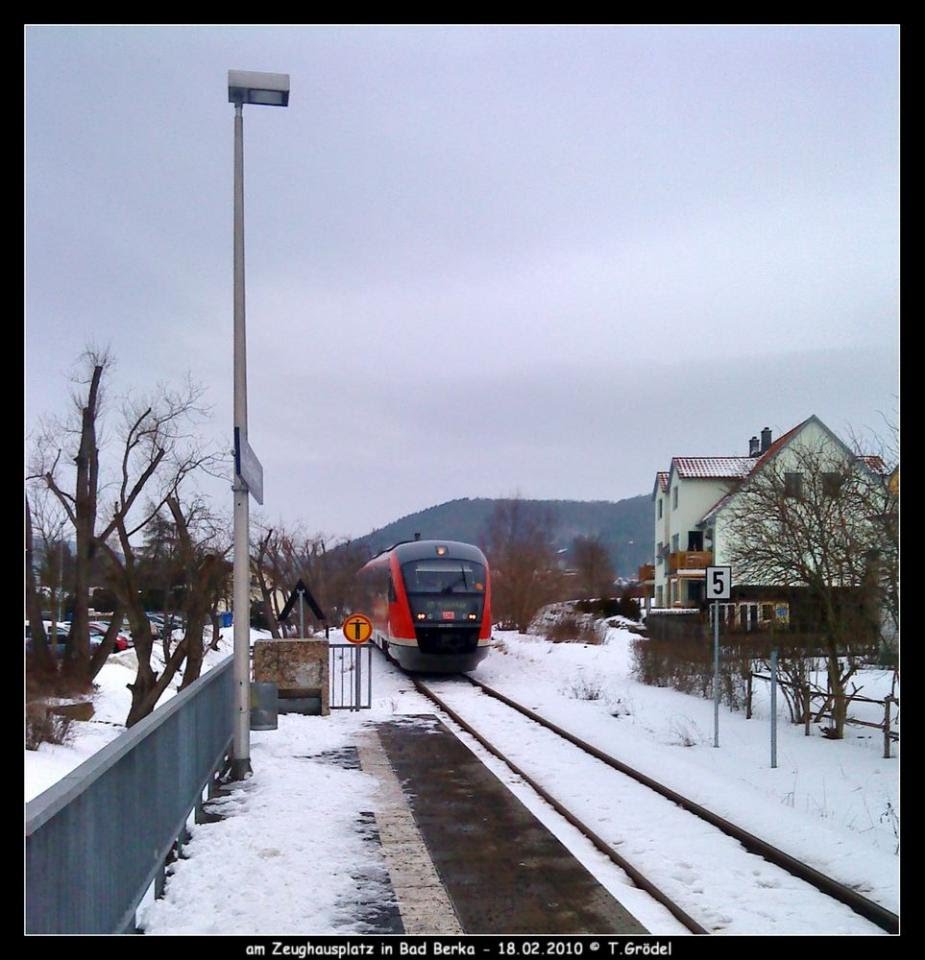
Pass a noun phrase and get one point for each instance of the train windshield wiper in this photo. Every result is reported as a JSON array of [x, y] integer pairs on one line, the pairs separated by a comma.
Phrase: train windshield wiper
[[460, 579]]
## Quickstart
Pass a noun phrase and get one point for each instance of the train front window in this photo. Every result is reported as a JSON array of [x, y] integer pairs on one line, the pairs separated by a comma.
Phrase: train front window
[[445, 593], [444, 576]]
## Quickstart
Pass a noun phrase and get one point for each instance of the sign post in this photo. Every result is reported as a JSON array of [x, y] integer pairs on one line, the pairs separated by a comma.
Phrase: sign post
[[719, 587], [774, 709], [301, 593], [358, 628]]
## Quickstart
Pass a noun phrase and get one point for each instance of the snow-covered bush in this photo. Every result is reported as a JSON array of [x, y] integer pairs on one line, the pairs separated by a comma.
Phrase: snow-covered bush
[[582, 688], [685, 732], [563, 623], [620, 707]]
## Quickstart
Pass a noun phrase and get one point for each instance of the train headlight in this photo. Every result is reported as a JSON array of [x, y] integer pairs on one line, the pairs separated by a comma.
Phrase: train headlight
[[473, 616], [422, 616]]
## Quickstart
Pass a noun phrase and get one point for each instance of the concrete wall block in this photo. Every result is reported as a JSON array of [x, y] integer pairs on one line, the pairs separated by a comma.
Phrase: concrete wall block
[[298, 667]]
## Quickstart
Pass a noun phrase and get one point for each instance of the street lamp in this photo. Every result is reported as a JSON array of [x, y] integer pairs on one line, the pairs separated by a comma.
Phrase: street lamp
[[268, 89]]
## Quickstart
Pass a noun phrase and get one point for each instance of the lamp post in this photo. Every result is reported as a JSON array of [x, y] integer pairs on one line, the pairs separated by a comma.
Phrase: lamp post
[[268, 89]]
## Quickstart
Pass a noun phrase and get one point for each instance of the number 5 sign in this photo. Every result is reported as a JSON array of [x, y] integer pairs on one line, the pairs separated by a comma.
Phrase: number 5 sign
[[719, 583]]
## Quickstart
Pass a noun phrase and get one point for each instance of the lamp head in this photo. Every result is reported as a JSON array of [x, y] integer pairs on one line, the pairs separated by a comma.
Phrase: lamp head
[[268, 89]]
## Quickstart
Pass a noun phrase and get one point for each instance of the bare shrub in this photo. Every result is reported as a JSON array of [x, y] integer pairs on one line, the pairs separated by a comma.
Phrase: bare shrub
[[622, 606], [891, 817], [602, 607], [572, 629], [581, 688], [42, 683], [42, 726], [629, 607], [685, 663], [589, 635]]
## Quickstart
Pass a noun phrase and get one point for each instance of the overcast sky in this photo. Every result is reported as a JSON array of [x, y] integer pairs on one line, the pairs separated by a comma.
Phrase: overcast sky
[[479, 260]]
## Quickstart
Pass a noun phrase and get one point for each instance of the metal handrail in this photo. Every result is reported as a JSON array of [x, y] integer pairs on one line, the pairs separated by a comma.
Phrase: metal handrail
[[97, 839]]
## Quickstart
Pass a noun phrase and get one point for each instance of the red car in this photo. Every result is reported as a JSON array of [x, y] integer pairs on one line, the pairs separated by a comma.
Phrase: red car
[[98, 630]]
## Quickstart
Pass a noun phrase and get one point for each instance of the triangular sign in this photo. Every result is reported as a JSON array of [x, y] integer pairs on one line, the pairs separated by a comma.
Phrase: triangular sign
[[301, 590]]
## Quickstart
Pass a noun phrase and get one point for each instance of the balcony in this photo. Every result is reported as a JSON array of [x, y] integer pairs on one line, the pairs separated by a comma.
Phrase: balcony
[[689, 560], [646, 573]]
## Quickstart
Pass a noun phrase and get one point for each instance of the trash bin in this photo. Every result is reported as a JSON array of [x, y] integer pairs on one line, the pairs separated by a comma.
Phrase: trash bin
[[264, 706]]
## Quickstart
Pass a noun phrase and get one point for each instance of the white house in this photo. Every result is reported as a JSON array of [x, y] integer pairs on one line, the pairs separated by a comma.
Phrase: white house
[[694, 501]]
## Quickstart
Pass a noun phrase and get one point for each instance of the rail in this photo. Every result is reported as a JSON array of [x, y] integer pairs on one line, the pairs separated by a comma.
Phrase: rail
[[97, 839], [872, 911]]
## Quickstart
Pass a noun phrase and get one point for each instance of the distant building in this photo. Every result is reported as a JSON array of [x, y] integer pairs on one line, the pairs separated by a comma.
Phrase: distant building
[[693, 503]]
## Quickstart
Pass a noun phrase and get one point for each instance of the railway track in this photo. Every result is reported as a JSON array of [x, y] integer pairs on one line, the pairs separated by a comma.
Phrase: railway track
[[749, 862]]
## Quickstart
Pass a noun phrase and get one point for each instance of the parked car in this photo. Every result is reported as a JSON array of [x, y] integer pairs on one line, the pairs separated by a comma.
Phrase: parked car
[[162, 623], [57, 648], [98, 630]]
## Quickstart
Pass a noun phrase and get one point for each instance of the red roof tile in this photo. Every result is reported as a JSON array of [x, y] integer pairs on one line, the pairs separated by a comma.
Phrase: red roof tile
[[874, 462]]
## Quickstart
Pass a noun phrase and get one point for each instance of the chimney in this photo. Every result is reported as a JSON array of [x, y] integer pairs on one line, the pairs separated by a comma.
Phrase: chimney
[[753, 447], [765, 439]]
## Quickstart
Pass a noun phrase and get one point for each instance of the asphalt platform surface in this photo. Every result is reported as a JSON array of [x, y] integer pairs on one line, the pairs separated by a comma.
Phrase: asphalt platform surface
[[502, 870]]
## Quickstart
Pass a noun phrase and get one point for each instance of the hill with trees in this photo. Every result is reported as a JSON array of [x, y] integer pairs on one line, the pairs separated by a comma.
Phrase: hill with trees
[[624, 527]]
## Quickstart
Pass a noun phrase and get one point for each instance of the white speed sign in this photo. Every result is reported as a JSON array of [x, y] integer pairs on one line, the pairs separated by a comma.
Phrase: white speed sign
[[719, 583]]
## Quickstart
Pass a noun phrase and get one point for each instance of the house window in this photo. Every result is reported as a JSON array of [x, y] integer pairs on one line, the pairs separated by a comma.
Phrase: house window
[[658, 596], [674, 499], [793, 484], [674, 543], [832, 484], [658, 554], [660, 508]]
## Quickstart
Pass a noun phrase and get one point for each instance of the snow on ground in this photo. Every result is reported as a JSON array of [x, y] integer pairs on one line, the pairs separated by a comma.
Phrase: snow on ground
[[48, 764], [288, 857], [291, 854], [727, 889], [845, 789]]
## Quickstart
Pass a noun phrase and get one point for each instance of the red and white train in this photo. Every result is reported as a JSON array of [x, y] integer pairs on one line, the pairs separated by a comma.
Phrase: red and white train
[[430, 604]]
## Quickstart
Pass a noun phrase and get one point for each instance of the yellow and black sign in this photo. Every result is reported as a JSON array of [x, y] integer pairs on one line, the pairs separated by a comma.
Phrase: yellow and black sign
[[358, 628]]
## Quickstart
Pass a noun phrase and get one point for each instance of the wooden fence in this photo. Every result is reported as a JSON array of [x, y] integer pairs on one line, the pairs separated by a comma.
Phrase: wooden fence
[[825, 711]]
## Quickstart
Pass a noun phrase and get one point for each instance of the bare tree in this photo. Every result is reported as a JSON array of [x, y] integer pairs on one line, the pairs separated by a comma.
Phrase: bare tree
[[204, 544], [155, 451], [266, 568], [520, 550], [42, 656], [593, 566], [812, 522], [282, 558], [337, 568]]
